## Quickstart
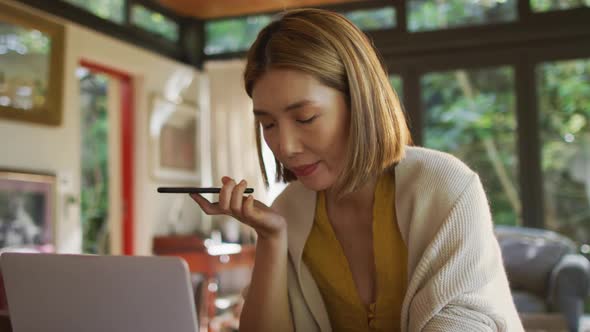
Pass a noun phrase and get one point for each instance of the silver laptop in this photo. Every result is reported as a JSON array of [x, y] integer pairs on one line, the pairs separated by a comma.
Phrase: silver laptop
[[86, 293]]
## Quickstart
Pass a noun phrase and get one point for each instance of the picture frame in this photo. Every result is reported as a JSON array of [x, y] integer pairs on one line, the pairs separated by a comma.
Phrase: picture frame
[[174, 138], [27, 209], [31, 67]]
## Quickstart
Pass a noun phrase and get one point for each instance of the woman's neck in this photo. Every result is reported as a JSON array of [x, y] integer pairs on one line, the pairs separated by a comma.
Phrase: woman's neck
[[360, 200]]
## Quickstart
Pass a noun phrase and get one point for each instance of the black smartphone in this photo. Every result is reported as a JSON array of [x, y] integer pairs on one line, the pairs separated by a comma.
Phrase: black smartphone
[[195, 190]]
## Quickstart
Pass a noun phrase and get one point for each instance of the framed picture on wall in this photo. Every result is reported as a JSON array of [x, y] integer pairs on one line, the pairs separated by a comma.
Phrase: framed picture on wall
[[27, 209], [31, 67], [174, 137]]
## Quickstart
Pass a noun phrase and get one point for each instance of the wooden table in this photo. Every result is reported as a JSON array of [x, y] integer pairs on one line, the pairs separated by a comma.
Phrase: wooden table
[[5, 325], [194, 252]]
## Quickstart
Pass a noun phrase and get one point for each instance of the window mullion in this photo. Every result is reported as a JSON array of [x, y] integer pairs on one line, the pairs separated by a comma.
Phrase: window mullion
[[127, 15], [530, 174]]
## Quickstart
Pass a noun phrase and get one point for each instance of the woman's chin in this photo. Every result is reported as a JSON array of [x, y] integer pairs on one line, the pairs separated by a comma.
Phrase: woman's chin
[[315, 183]]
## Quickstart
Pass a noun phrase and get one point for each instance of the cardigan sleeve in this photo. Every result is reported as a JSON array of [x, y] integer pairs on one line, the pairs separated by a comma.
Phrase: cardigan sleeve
[[463, 284]]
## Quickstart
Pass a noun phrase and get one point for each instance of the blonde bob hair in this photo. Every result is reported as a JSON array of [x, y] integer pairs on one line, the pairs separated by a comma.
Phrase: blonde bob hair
[[332, 49]]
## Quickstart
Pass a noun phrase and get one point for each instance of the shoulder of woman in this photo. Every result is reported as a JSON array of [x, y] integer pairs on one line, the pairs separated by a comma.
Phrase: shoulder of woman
[[294, 198], [432, 177], [430, 161], [426, 165]]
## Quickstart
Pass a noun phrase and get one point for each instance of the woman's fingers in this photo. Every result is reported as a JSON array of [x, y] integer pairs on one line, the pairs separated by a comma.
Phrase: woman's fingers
[[230, 199], [237, 197], [225, 194], [208, 207], [248, 209], [232, 202]]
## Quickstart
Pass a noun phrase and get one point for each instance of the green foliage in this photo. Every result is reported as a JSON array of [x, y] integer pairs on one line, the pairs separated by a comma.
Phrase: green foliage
[[430, 15], [154, 22], [564, 102], [372, 19], [549, 5], [396, 83], [233, 35], [141, 16], [112, 10], [471, 114], [94, 130]]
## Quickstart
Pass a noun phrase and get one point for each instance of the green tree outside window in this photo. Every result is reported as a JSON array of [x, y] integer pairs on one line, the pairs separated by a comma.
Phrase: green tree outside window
[[237, 34], [112, 10], [372, 19], [440, 14], [154, 22], [550, 5], [94, 188], [563, 90], [233, 35], [396, 82], [471, 114]]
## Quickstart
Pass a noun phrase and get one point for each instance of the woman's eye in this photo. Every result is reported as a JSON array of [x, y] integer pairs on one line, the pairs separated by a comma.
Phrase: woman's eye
[[308, 120], [267, 126]]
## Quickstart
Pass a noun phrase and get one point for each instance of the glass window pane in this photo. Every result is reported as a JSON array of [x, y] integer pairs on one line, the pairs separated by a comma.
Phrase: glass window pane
[[440, 14], [471, 114], [373, 19], [564, 105], [549, 5], [112, 10], [154, 22], [233, 35], [396, 83]]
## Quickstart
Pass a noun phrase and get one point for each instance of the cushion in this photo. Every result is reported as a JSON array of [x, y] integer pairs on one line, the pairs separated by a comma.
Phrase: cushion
[[527, 302], [529, 262]]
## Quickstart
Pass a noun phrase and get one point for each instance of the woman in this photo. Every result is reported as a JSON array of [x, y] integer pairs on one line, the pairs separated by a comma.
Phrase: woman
[[371, 234]]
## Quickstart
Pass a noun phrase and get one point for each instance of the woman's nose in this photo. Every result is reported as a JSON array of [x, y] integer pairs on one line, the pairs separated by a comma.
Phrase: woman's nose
[[289, 143]]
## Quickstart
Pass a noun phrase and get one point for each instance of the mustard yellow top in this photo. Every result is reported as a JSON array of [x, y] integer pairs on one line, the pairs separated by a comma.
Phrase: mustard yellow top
[[325, 258]]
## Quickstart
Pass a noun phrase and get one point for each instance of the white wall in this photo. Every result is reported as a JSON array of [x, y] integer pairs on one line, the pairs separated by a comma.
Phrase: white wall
[[57, 149]]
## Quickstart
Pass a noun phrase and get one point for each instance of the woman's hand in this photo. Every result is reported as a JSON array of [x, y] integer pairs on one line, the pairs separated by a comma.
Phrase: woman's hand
[[265, 221]]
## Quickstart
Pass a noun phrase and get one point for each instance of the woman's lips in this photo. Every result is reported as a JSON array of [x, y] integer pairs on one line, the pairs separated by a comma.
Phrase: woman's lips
[[305, 170]]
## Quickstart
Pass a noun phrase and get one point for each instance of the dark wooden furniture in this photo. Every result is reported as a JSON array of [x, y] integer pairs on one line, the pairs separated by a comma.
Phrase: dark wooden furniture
[[193, 250]]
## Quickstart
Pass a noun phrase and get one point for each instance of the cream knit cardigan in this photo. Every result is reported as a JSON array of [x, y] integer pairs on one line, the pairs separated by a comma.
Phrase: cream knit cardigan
[[456, 277]]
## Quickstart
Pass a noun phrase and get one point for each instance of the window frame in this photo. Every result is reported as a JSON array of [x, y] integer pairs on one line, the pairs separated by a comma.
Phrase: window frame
[[523, 56]]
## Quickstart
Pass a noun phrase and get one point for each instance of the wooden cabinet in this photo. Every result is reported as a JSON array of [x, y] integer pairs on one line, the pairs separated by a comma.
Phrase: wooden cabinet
[[193, 250]]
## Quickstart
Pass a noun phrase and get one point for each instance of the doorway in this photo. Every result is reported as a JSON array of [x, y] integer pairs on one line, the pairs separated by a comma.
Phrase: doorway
[[106, 124]]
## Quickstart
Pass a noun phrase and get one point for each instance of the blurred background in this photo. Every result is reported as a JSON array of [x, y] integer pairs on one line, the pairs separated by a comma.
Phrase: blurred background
[[103, 101]]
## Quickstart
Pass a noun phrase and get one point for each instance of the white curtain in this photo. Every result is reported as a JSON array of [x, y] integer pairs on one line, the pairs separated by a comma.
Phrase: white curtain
[[233, 144]]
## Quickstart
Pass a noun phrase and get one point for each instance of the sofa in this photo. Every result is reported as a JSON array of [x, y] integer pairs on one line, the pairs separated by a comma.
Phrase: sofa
[[545, 272]]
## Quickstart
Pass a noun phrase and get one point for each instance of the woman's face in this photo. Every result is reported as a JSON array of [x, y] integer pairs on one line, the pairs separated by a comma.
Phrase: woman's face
[[305, 124]]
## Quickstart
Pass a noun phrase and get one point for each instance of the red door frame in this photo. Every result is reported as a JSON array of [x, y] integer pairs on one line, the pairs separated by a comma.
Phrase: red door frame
[[127, 151]]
